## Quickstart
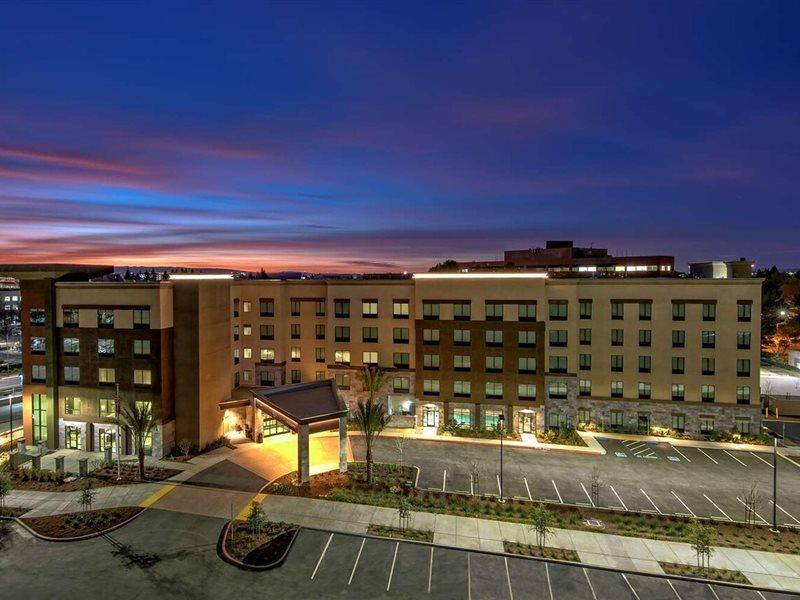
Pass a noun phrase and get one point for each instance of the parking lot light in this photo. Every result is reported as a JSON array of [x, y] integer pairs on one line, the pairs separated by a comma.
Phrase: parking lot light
[[501, 421], [774, 478]]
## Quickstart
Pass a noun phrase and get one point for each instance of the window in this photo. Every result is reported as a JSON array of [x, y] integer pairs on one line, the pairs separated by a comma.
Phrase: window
[[369, 309], [248, 330], [617, 310], [585, 309], [742, 425], [319, 308], [319, 375], [494, 337], [400, 359], [558, 310], [707, 365], [678, 311], [617, 418], [461, 337], [246, 306], [71, 317], [39, 402], [494, 364], [491, 418], [268, 378], [617, 337], [679, 423], [706, 424], [247, 375], [341, 333], [743, 340], [266, 307], [38, 345], [37, 316], [430, 361], [744, 311], [142, 377], [742, 394], [526, 339], [616, 389], [644, 390], [72, 437], [678, 338], [369, 335], [708, 339], [400, 335], [585, 387], [319, 355], [494, 311], [294, 330], [678, 365], [235, 333], [430, 310], [616, 363], [105, 375], [295, 353], [401, 385], [462, 389], [462, 417], [400, 309], [645, 337], [585, 336], [72, 374], [267, 332], [707, 393], [678, 391], [709, 312], [369, 357], [557, 390], [526, 311], [645, 364], [319, 332], [462, 362], [72, 405], [645, 311], [236, 356], [584, 415], [430, 387], [342, 381], [558, 364], [526, 391], [236, 375], [743, 367], [462, 311], [267, 355], [585, 362], [247, 352], [341, 357], [341, 308], [105, 318], [430, 336], [558, 338], [526, 365], [38, 373], [105, 347], [295, 375], [494, 389], [141, 318], [294, 308]]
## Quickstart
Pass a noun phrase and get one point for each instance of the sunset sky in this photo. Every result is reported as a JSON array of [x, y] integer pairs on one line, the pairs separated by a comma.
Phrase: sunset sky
[[374, 137]]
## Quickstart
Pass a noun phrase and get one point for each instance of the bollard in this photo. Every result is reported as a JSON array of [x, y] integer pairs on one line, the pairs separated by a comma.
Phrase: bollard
[[83, 467], [60, 464], [37, 461]]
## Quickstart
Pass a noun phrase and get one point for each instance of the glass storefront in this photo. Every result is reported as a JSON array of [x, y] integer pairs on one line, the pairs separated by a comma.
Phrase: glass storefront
[[272, 426]]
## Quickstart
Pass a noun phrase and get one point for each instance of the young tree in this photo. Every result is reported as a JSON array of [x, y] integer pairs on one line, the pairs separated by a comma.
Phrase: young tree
[[403, 512], [751, 499], [87, 495], [699, 537], [541, 522], [255, 518], [5, 489], [371, 418], [138, 417], [475, 476], [400, 447]]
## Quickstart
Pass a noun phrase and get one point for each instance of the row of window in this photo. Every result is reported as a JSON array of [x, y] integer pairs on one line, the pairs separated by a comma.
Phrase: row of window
[[105, 317], [105, 375], [105, 347], [341, 308], [707, 364], [107, 407], [492, 389], [708, 338], [492, 364], [492, 337]]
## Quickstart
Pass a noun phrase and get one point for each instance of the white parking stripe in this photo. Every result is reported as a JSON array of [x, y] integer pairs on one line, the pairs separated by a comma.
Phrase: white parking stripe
[[589, 581], [713, 592], [549, 585], [677, 595], [784, 512], [744, 464], [430, 571], [557, 492], [358, 557], [321, 556], [391, 571], [760, 595], [528, 489], [766, 462], [635, 595], [469, 579], [637, 447], [444, 479], [708, 457], [508, 579], [587, 495], [684, 504], [681, 453], [658, 510], [642, 451], [717, 507], [499, 488], [471, 485], [754, 512], [618, 498]]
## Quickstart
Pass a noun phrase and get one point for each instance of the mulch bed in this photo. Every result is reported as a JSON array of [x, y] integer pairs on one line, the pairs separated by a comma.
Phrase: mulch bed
[[12, 511], [263, 549], [386, 477], [727, 575], [546, 552], [81, 523], [49, 481], [406, 534]]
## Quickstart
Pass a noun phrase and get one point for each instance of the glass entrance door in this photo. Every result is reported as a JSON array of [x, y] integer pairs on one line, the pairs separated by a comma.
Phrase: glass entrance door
[[106, 439], [644, 423], [527, 422], [72, 437], [430, 416]]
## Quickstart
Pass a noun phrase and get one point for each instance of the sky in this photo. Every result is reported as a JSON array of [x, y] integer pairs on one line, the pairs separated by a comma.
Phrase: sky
[[358, 137]]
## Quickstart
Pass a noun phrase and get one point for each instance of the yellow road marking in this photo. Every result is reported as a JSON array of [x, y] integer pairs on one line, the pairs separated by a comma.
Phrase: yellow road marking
[[246, 508], [157, 495]]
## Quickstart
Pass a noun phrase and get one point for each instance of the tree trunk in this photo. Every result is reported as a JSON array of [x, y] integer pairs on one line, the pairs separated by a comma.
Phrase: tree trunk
[[141, 462], [369, 459]]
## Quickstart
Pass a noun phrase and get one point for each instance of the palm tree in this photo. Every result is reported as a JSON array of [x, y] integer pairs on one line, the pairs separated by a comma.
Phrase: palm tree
[[138, 417], [371, 417]]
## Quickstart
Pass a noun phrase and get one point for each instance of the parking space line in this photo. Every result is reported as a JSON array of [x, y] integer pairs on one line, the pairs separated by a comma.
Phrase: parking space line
[[430, 571], [642, 451], [717, 507], [471, 485], [658, 510], [444, 479], [760, 595], [499, 487], [766, 462], [321, 556], [469, 579], [358, 557], [508, 579], [635, 594], [674, 591], [391, 571], [784, 512], [618, 498], [708, 457], [557, 492], [744, 464], [549, 585], [713, 593], [583, 487], [684, 504], [754, 512], [589, 581], [528, 489], [681, 453]]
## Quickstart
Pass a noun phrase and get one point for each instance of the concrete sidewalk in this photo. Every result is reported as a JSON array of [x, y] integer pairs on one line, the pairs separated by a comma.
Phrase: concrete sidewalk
[[767, 569]]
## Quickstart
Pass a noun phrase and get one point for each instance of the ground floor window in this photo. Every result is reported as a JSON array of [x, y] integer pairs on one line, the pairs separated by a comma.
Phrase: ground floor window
[[742, 425], [706, 424], [491, 418], [148, 444], [39, 418], [462, 417], [679, 423], [106, 438], [584, 415], [617, 419], [556, 420], [272, 426], [72, 437]]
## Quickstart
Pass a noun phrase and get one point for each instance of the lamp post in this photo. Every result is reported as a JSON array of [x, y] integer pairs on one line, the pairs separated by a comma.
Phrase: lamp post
[[775, 436], [118, 439], [501, 421]]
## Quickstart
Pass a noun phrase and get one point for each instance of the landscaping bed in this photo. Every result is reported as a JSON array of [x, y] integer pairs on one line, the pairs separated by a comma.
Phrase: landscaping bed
[[546, 552], [405, 534], [456, 430], [262, 549], [562, 437], [12, 511], [54, 481], [726, 575], [384, 476], [81, 523]]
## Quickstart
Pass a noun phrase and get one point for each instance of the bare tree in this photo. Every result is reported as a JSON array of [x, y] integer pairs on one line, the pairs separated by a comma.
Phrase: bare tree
[[751, 499], [475, 476], [400, 447], [596, 483]]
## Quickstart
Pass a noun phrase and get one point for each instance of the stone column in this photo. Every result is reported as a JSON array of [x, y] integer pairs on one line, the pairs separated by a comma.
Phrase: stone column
[[302, 453], [342, 445]]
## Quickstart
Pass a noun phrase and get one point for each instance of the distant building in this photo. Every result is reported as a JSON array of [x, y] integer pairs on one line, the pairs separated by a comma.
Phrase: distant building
[[722, 269]]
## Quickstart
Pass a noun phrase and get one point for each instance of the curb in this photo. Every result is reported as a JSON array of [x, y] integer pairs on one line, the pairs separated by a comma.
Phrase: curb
[[223, 553], [79, 538]]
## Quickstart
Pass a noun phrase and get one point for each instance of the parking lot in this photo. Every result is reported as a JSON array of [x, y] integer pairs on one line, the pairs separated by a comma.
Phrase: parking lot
[[656, 478]]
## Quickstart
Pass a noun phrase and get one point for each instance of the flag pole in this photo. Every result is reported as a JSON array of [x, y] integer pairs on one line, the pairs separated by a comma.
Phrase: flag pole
[[119, 437]]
